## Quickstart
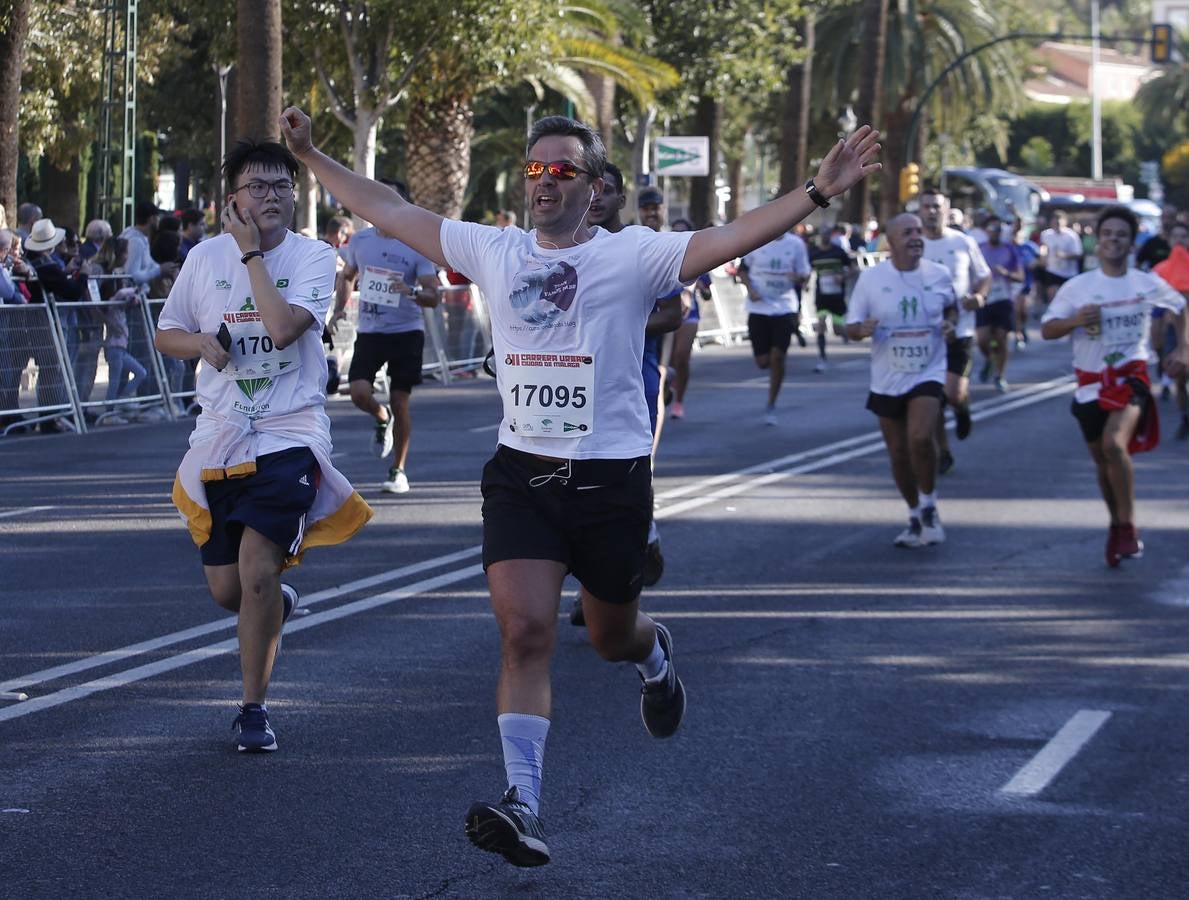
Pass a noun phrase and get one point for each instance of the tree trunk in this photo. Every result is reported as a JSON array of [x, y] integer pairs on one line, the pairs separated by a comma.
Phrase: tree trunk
[[703, 202], [258, 70], [363, 156], [641, 147], [438, 153], [602, 89], [875, 34], [794, 120], [61, 192], [12, 60], [895, 140]]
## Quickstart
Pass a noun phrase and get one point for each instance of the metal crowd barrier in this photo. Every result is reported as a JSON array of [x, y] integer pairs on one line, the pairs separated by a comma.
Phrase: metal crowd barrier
[[35, 383]]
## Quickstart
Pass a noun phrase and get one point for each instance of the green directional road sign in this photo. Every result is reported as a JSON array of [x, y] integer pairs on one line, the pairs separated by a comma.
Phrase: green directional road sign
[[683, 156]]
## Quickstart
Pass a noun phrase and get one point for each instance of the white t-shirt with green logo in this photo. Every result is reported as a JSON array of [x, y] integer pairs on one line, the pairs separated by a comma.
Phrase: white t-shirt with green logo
[[907, 348], [213, 288]]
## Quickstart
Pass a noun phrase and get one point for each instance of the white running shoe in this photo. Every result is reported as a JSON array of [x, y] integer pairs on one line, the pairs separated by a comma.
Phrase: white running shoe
[[820, 367], [770, 417], [931, 530], [382, 441], [910, 536], [397, 482]]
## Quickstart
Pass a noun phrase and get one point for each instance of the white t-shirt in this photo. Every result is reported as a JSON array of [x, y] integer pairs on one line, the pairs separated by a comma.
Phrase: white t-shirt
[[373, 256], [771, 270], [213, 287], [907, 348], [584, 306], [1122, 334], [1063, 241], [961, 257]]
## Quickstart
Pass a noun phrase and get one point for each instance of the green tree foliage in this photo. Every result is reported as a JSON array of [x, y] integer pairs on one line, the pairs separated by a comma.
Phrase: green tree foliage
[[1164, 100], [1175, 172]]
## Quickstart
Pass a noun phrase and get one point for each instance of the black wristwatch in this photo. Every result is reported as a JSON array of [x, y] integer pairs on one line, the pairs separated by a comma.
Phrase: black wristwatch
[[815, 195], [251, 254]]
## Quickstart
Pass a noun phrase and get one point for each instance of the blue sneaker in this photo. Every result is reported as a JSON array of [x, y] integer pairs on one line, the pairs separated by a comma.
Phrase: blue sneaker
[[255, 734]]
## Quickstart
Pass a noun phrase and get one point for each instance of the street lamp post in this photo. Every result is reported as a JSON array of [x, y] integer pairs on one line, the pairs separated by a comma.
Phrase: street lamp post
[[222, 72]]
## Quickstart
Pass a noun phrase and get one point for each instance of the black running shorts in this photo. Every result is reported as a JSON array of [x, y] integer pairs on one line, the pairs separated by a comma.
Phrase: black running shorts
[[402, 352], [1092, 417], [833, 304], [273, 501], [591, 515], [1000, 314], [895, 406], [958, 360], [768, 333]]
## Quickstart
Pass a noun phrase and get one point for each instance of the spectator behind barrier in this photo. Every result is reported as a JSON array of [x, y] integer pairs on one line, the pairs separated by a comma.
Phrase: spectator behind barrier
[[120, 362], [141, 267], [193, 231], [96, 232], [27, 214]]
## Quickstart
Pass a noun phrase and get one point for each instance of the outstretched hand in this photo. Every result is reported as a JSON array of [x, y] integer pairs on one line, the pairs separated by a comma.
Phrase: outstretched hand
[[298, 130], [849, 162]]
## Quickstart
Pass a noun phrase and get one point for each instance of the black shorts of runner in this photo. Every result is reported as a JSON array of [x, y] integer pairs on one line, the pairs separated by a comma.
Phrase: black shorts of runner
[[591, 515], [402, 352], [1051, 279], [1092, 417], [957, 357], [833, 304], [1000, 314], [273, 501], [768, 333], [895, 406]]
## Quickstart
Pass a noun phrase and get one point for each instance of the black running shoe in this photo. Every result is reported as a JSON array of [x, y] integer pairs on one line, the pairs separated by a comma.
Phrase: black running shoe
[[662, 699], [654, 564], [577, 616], [962, 422], [984, 374], [1183, 429], [945, 462], [509, 828], [255, 734]]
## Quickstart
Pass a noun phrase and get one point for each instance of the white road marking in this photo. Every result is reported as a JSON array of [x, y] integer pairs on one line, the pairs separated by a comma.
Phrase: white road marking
[[226, 624], [200, 654], [1053, 756], [9, 513], [120, 679]]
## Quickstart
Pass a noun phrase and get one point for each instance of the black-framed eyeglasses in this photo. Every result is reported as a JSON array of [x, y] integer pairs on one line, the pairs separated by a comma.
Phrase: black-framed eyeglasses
[[258, 190], [561, 168]]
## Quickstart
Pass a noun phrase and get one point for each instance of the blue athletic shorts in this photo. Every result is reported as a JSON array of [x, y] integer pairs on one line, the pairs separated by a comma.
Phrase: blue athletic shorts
[[273, 501], [650, 368]]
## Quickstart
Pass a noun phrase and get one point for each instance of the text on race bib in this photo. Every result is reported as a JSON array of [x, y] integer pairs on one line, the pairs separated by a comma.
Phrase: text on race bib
[[548, 395], [1123, 325], [380, 286], [910, 349], [255, 355]]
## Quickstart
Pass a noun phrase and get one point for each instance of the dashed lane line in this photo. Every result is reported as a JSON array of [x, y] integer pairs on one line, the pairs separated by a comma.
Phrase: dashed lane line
[[1056, 754]]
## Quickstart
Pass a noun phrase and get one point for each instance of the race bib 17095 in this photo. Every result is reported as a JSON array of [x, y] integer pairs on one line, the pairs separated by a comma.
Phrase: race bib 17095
[[548, 395]]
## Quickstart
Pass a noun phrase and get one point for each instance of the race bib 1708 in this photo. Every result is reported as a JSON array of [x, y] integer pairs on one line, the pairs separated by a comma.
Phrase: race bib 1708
[[548, 395]]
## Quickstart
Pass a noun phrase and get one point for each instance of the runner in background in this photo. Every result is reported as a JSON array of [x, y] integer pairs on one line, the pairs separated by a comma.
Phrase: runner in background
[[1108, 312], [996, 320], [395, 284], [833, 265]]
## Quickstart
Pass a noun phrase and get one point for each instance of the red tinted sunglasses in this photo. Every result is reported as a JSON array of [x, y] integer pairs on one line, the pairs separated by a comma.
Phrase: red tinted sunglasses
[[561, 169]]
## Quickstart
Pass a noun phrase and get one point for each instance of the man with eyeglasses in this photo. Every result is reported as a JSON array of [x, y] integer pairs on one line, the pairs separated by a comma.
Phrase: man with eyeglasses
[[257, 488], [395, 284], [568, 488]]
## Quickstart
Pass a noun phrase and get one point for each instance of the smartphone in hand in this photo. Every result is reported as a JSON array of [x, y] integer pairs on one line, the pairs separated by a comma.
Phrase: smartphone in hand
[[224, 337]]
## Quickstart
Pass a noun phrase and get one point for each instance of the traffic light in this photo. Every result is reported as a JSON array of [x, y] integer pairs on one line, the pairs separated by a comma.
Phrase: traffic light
[[1161, 43], [910, 182]]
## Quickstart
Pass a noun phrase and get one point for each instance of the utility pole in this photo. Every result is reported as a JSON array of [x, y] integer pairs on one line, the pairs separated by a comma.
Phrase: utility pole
[[1095, 97]]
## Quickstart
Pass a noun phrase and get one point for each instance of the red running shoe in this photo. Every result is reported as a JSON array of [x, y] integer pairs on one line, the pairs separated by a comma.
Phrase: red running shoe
[[1127, 544], [1113, 556]]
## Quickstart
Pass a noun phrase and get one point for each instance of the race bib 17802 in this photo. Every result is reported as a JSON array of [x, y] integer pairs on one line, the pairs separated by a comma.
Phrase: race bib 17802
[[548, 395]]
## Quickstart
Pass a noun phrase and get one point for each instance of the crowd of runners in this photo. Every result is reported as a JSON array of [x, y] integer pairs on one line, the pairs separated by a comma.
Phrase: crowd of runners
[[580, 307]]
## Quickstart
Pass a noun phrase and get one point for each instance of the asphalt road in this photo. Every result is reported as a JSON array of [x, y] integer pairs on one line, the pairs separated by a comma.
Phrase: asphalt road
[[856, 711]]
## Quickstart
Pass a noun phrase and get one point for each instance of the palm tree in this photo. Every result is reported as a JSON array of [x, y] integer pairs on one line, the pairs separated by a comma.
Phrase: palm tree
[[870, 105], [14, 29], [258, 68], [1164, 100], [923, 37], [794, 119]]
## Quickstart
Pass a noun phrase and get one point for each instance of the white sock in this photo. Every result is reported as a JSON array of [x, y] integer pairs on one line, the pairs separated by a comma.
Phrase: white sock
[[523, 737], [654, 534], [651, 667], [914, 512], [929, 499]]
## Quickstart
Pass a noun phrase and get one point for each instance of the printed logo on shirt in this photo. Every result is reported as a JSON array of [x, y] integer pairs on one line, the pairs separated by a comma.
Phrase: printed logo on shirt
[[282, 282], [248, 305], [222, 284], [907, 305], [540, 296]]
